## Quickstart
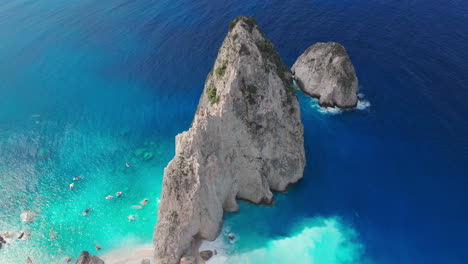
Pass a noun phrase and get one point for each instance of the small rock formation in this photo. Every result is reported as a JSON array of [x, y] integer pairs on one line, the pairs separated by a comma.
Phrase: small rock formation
[[146, 261], [27, 216], [206, 254], [188, 260], [246, 139], [325, 71], [86, 258]]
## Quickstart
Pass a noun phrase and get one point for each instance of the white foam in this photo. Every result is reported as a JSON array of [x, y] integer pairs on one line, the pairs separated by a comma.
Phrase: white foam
[[316, 241], [314, 104], [363, 105]]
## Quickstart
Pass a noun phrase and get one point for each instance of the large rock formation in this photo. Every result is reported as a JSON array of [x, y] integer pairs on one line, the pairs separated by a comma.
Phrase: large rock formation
[[325, 71], [246, 139], [86, 258]]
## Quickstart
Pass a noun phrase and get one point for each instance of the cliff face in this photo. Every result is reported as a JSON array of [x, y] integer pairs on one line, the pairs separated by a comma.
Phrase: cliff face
[[246, 139], [325, 71]]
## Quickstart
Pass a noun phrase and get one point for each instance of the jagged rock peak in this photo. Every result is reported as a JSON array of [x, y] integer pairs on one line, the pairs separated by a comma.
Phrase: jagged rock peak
[[325, 71], [246, 139]]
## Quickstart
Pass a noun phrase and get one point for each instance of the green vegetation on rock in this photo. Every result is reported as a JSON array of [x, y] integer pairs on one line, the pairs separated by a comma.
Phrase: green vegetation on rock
[[212, 97], [221, 69], [268, 50]]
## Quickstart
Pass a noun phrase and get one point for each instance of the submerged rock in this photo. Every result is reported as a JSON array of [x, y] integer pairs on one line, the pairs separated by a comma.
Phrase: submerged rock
[[86, 258], [27, 216], [148, 155], [325, 71], [246, 139]]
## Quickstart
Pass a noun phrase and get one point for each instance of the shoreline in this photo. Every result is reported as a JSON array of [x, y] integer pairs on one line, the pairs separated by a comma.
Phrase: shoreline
[[130, 255]]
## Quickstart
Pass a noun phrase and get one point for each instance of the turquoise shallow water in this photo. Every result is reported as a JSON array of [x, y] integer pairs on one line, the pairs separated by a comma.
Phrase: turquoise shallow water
[[87, 85]]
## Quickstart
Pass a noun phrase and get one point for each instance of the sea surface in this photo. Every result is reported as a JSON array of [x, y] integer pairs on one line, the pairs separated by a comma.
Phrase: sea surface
[[86, 86]]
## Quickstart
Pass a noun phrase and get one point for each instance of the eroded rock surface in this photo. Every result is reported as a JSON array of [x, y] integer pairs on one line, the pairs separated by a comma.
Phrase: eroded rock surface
[[86, 258], [246, 139], [325, 71]]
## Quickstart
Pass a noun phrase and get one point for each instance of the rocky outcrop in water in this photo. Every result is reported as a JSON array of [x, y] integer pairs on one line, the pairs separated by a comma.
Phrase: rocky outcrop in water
[[246, 140], [325, 71], [86, 258]]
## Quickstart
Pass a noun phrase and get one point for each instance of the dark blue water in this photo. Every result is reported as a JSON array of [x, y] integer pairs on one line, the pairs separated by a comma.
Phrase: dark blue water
[[84, 84]]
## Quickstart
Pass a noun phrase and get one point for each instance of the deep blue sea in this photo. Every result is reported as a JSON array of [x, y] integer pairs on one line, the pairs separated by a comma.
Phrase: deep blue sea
[[88, 85]]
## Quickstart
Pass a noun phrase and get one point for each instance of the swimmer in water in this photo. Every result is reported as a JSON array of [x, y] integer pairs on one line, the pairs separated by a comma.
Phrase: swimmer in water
[[86, 211], [127, 164], [108, 197], [144, 202], [72, 185], [77, 178], [117, 194], [131, 217]]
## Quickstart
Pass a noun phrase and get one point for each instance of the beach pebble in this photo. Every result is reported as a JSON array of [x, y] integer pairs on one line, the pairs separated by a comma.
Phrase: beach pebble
[[188, 260], [206, 254]]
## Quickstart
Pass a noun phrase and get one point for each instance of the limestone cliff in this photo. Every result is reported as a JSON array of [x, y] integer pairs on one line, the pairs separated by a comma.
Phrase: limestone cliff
[[246, 140], [325, 71]]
